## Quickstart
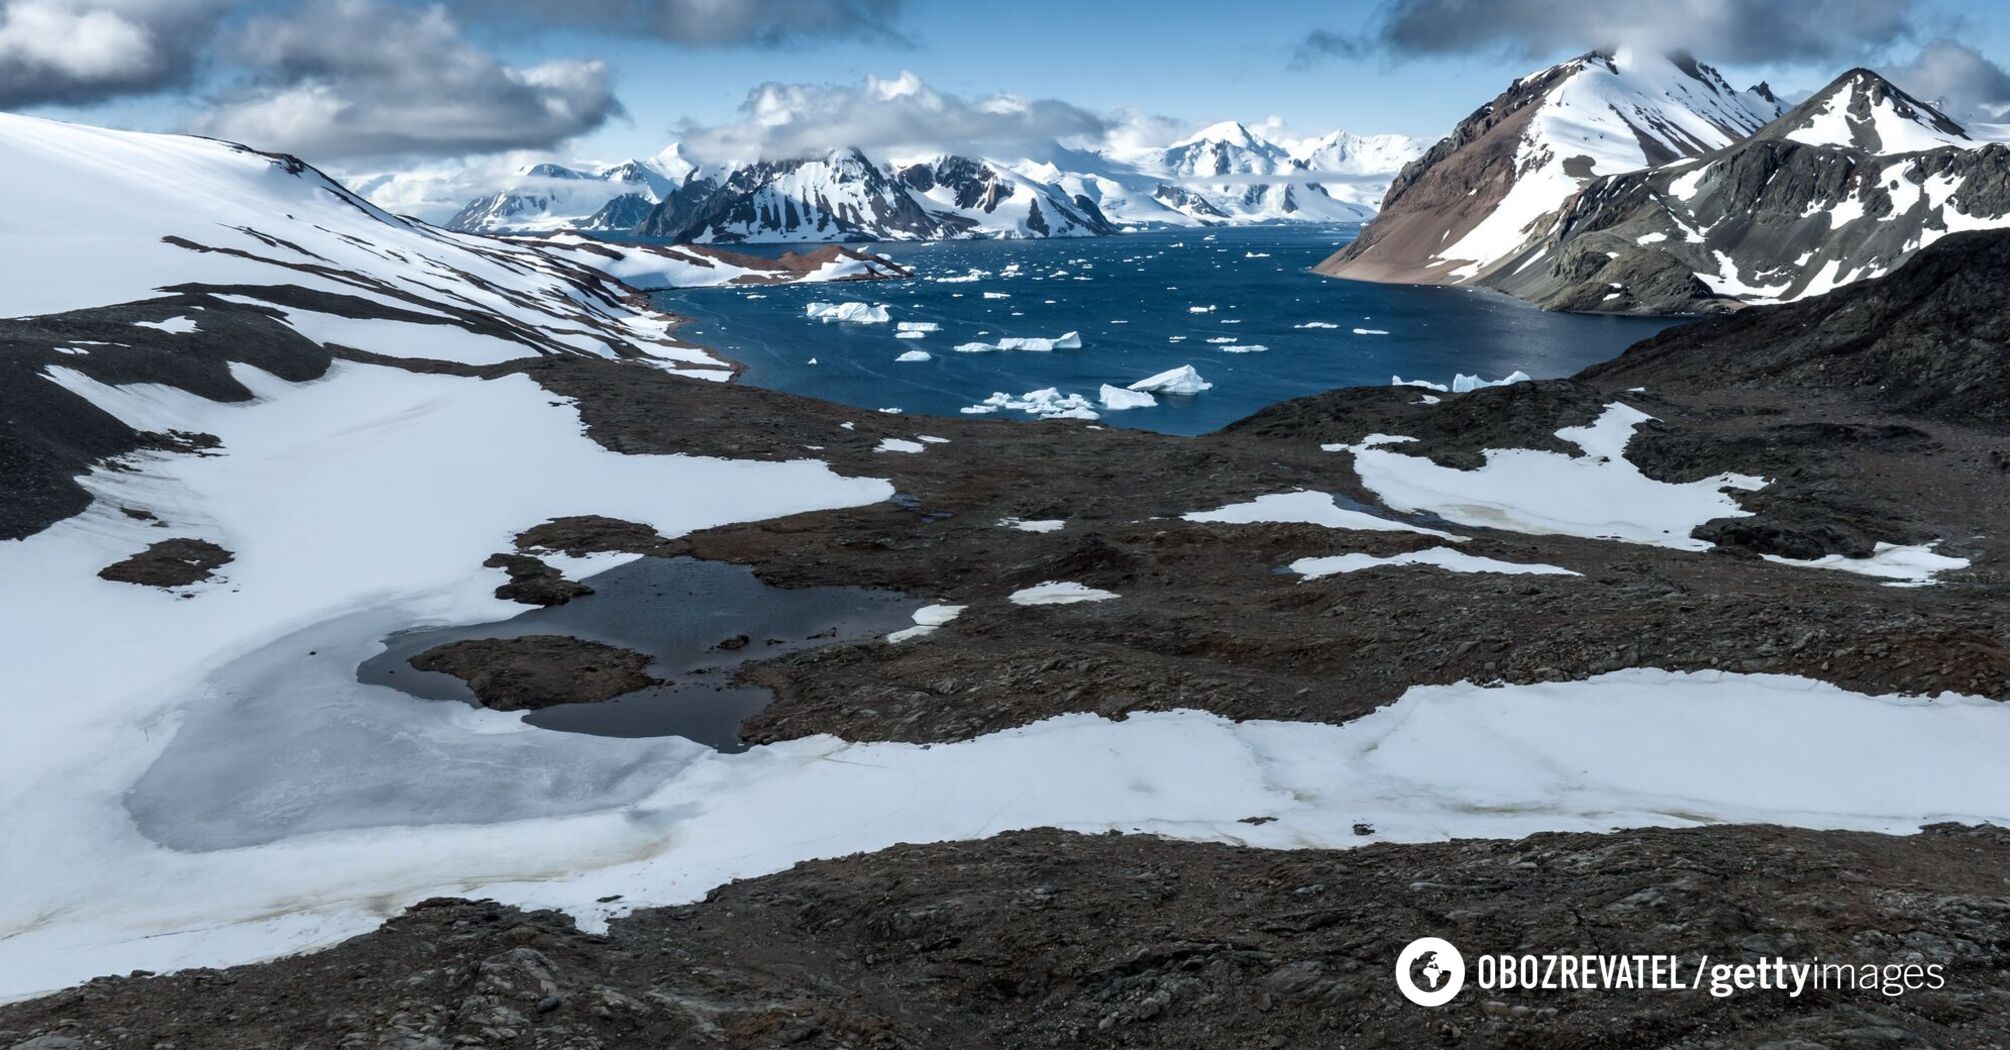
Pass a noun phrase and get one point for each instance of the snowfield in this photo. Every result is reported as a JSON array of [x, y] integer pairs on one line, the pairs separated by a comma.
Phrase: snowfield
[[174, 210], [1598, 495]]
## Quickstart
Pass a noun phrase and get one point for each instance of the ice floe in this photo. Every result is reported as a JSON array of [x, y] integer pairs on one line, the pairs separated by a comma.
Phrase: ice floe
[[856, 313], [914, 355], [1118, 399], [1047, 403], [1462, 383], [1182, 381]]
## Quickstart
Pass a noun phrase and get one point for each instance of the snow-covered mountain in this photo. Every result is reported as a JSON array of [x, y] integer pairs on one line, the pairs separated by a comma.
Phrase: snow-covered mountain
[[844, 196], [1474, 201], [227, 226], [1844, 187], [544, 197], [1863, 111], [1246, 177], [1226, 173]]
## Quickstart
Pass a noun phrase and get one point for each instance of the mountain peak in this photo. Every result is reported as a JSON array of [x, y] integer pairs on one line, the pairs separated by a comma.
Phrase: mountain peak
[[1233, 132], [1862, 110]]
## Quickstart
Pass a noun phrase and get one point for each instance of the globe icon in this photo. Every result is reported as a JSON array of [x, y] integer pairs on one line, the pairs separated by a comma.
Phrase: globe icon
[[1427, 974]]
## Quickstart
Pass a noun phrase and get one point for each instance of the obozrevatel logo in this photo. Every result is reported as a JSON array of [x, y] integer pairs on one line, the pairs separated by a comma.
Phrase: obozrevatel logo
[[1430, 971]]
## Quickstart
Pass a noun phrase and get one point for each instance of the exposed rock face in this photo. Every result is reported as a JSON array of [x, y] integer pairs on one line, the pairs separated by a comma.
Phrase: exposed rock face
[[1930, 340], [1042, 938], [1805, 205], [538, 670], [170, 563], [1464, 209]]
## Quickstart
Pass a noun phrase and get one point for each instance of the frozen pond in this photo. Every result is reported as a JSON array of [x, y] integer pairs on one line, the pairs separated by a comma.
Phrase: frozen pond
[[678, 611]]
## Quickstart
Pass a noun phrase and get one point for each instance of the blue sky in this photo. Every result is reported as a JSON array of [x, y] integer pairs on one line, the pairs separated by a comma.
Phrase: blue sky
[[612, 86]]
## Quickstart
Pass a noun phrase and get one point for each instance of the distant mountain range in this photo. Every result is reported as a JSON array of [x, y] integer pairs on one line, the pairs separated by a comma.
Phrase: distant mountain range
[[1225, 174], [1636, 183]]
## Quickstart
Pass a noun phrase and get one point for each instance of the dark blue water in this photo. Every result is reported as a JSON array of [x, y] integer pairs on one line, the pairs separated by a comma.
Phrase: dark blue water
[[1129, 296]]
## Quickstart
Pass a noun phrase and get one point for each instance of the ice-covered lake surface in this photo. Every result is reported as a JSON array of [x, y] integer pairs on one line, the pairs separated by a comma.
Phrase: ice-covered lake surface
[[1142, 303], [697, 620]]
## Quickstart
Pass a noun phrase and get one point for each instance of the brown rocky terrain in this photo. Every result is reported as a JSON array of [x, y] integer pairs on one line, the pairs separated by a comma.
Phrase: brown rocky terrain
[[538, 670], [1045, 939]]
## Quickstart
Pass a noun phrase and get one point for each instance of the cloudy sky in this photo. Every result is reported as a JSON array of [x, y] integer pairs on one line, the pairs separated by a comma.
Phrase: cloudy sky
[[377, 85]]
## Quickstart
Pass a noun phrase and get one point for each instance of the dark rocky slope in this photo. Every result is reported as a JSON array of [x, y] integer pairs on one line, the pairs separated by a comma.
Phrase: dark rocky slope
[[1044, 939]]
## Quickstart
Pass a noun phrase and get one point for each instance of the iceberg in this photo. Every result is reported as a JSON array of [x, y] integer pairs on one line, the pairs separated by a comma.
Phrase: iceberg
[[1117, 399], [1181, 380], [857, 313]]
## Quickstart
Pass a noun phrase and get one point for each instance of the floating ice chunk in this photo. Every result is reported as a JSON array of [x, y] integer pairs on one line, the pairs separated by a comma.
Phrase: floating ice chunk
[[811, 361], [1316, 324], [1465, 384], [914, 355], [966, 278], [1244, 348], [1903, 566], [1047, 403], [1370, 331], [1056, 592], [910, 335], [1182, 380], [1462, 383], [927, 620], [1309, 508], [899, 445], [1256, 255], [1037, 525], [1117, 399], [172, 326], [1218, 339], [997, 295], [974, 348], [856, 313], [918, 326], [1437, 557], [1037, 344], [1200, 309]]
